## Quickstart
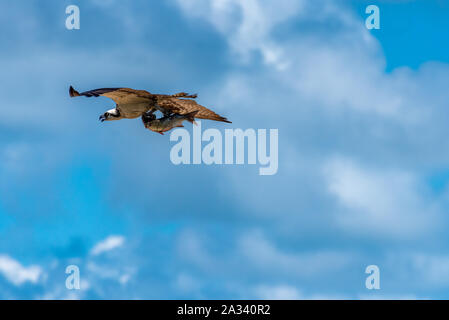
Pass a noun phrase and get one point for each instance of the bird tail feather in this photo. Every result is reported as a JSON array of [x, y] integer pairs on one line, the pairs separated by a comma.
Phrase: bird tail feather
[[191, 116]]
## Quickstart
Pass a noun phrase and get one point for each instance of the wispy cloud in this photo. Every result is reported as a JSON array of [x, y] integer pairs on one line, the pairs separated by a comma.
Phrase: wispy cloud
[[18, 274], [379, 202], [281, 292], [108, 244], [247, 25]]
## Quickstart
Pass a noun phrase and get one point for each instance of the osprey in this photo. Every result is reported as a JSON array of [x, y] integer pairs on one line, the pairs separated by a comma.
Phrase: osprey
[[132, 103]]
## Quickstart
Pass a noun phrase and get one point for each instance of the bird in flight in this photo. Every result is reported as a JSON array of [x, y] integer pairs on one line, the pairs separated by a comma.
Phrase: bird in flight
[[131, 104]]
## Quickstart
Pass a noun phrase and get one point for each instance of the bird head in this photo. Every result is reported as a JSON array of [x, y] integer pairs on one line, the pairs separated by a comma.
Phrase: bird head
[[112, 114]]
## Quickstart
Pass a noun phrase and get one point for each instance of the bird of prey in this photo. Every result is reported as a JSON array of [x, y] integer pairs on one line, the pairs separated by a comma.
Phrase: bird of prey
[[132, 103]]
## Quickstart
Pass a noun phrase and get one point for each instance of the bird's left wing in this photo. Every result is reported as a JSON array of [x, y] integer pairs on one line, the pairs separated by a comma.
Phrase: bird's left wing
[[184, 106], [119, 95]]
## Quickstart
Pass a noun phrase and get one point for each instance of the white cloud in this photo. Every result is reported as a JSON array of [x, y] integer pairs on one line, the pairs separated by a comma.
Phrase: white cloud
[[289, 292], [254, 250], [124, 278], [187, 283], [390, 297], [281, 292], [263, 255], [247, 25], [432, 269], [335, 98], [16, 273], [379, 201], [109, 271], [108, 244], [191, 248]]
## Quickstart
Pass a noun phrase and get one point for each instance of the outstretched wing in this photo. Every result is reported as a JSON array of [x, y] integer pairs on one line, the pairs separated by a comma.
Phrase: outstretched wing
[[119, 95], [171, 103], [184, 106]]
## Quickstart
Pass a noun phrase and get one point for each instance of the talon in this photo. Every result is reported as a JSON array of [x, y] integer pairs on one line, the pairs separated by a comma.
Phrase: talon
[[102, 118]]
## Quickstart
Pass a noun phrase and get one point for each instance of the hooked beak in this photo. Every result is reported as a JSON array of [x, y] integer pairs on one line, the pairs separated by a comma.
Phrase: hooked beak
[[102, 118]]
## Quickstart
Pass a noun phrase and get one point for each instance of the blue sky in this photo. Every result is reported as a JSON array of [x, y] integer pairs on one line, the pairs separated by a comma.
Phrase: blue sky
[[363, 152]]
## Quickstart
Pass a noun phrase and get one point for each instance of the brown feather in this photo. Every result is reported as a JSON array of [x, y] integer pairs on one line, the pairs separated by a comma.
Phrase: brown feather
[[185, 95], [183, 106], [127, 95], [119, 95]]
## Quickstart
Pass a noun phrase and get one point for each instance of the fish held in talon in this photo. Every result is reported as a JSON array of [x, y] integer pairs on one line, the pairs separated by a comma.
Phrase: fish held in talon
[[167, 123]]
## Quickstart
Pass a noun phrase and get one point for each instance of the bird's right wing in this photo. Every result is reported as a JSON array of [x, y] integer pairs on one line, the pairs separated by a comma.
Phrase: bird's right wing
[[185, 106], [119, 95]]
